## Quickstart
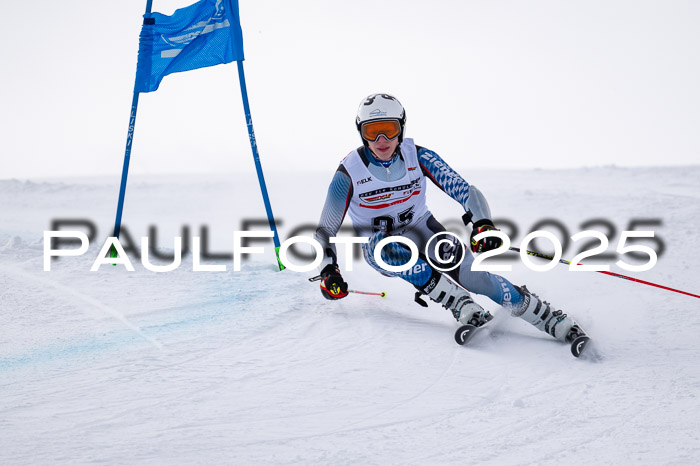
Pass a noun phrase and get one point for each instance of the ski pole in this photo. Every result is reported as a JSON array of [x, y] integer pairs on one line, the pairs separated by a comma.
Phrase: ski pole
[[612, 274], [381, 294], [370, 293]]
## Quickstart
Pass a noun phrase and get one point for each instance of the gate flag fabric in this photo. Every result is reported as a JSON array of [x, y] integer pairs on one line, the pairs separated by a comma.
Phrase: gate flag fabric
[[206, 33]]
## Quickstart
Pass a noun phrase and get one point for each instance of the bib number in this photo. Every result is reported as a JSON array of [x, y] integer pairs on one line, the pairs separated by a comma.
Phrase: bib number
[[388, 223]]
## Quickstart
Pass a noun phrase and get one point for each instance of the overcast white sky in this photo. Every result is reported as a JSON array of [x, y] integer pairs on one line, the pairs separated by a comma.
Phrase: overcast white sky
[[487, 84]]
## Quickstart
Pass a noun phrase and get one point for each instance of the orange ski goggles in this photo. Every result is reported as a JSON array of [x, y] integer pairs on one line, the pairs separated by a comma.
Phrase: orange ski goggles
[[373, 129]]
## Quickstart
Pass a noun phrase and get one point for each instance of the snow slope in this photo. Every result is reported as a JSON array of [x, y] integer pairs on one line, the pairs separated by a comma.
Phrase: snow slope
[[254, 367]]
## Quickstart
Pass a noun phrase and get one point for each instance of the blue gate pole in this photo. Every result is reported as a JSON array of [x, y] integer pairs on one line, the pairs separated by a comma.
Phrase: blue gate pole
[[127, 153], [258, 167], [125, 167]]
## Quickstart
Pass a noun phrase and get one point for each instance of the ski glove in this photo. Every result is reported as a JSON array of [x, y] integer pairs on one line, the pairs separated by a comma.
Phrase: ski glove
[[332, 284], [488, 243]]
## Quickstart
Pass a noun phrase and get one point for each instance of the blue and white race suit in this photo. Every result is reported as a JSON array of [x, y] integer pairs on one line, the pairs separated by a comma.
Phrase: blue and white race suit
[[390, 200]]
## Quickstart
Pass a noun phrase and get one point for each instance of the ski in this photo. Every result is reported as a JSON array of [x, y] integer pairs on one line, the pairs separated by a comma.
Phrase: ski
[[584, 348], [579, 344], [465, 333]]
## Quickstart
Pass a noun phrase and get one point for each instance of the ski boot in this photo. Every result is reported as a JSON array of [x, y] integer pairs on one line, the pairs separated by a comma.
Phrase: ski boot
[[451, 296], [551, 321]]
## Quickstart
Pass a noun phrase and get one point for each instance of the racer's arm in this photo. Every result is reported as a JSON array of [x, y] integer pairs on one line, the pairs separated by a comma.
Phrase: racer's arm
[[337, 201], [449, 181], [474, 203]]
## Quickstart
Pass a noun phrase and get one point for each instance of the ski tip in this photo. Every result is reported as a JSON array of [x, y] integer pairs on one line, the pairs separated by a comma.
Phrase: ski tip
[[464, 333], [583, 348], [579, 345]]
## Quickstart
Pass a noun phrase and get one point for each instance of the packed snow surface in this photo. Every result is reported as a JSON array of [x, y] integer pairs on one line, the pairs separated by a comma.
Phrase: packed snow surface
[[255, 366]]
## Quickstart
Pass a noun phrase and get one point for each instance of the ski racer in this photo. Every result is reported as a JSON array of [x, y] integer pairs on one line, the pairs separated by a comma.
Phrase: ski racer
[[382, 185]]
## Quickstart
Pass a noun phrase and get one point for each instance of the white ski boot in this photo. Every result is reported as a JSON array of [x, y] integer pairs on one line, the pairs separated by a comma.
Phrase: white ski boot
[[458, 300], [553, 322]]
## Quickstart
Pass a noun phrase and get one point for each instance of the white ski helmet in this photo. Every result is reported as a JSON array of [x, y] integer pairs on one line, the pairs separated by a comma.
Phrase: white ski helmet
[[377, 107]]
